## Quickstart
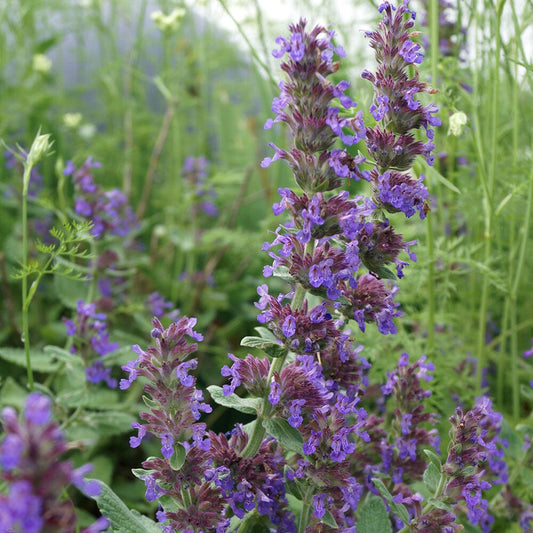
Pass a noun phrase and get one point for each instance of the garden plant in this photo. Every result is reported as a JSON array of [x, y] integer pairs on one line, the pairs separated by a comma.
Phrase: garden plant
[[234, 299]]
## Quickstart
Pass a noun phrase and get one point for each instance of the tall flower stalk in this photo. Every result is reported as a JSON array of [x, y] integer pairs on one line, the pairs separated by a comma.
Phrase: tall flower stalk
[[312, 438]]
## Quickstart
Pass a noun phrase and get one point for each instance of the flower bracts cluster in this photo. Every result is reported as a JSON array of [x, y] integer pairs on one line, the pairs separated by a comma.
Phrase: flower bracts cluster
[[398, 114], [306, 106], [90, 340], [36, 475], [474, 463], [109, 211], [204, 474]]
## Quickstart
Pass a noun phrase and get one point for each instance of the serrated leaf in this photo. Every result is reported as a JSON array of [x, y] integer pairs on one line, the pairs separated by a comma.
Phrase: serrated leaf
[[433, 457], [373, 517], [270, 347], [249, 406], [288, 437], [329, 520], [40, 361], [122, 519], [432, 477]]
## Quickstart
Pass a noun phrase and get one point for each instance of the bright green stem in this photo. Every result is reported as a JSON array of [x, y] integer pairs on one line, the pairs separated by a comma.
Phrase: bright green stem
[[306, 510], [489, 200], [431, 287], [25, 299], [258, 433], [186, 495]]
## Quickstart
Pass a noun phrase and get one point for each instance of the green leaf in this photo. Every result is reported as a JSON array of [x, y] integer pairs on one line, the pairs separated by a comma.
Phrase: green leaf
[[440, 505], [141, 473], [283, 273], [249, 406], [122, 519], [373, 517], [265, 333], [329, 520], [13, 394], [178, 457], [40, 361], [433, 457], [270, 347], [69, 291], [385, 273], [107, 423], [397, 508], [432, 477], [288, 437]]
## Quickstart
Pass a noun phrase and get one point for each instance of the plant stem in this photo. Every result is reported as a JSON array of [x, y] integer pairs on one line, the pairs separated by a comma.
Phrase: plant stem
[[25, 302], [306, 510], [489, 201]]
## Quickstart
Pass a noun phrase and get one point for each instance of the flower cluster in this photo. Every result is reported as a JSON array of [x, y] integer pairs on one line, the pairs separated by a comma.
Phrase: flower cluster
[[475, 455], [195, 172], [91, 341], [108, 211], [204, 473], [31, 457], [156, 305], [402, 456], [391, 142]]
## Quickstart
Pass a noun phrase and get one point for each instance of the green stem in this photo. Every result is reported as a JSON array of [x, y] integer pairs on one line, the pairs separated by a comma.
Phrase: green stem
[[489, 200], [306, 510], [25, 302]]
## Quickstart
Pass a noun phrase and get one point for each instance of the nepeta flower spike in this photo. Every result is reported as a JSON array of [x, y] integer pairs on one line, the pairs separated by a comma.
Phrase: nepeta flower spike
[[392, 142], [36, 475]]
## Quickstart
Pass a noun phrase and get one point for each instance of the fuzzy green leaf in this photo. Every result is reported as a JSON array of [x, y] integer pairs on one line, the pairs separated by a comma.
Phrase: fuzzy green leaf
[[178, 457], [432, 477], [329, 520], [373, 517], [397, 508], [122, 519], [287, 436], [270, 347], [40, 361], [433, 457], [249, 406]]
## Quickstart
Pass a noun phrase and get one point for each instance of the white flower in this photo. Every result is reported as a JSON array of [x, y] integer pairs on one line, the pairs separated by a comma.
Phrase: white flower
[[170, 21], [72, 120], [87, 131], [457, 123], [41, 63]]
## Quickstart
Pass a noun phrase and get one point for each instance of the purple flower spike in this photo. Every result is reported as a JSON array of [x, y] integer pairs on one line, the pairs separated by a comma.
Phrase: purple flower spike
[[35, 472]]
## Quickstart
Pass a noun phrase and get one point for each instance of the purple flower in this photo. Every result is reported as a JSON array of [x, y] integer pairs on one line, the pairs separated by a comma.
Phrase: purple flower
[[36, 473]]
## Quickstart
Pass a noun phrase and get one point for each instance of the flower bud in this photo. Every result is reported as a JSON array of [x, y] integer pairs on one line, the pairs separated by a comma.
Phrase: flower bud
[[457, 123]]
